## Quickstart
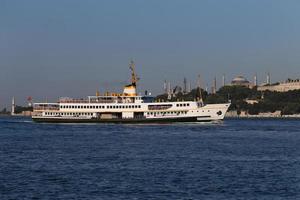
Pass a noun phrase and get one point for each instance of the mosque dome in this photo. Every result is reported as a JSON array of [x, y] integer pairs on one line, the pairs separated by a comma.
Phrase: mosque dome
[[240, 80]]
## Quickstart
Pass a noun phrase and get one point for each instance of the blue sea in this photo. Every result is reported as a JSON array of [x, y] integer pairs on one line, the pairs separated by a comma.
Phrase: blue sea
[[234, 159]]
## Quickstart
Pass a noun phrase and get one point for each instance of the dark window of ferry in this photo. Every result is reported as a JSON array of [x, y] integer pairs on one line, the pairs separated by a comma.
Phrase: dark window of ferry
[[188, 104]]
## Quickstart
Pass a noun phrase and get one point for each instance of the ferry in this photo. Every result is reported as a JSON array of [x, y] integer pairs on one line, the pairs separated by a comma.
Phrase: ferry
[[127, 107]]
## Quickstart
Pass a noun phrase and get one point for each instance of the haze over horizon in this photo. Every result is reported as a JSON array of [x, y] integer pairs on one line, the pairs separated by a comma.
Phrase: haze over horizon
[[50, 49]]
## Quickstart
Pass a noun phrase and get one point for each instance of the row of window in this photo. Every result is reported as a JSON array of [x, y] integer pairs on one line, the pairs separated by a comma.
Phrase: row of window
[[99, 107], [182, 104], [164, 113], [68, 114], [90, 114]]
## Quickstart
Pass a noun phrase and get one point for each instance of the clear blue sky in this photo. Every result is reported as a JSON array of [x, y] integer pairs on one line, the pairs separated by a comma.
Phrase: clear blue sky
[[53, 48]]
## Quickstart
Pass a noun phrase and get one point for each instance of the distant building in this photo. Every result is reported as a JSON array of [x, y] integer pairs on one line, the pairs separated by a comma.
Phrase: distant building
[[241, 81], [251, 101], [281, 87]]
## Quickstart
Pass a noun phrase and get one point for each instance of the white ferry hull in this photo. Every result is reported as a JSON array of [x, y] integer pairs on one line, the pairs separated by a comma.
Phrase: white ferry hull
[[210, 112]]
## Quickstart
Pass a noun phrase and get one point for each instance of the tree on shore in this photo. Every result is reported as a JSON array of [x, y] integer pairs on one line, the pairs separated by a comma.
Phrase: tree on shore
[[267, 101]]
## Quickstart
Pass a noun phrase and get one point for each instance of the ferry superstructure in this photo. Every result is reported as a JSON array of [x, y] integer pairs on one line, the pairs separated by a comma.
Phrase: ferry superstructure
[[127, 107]]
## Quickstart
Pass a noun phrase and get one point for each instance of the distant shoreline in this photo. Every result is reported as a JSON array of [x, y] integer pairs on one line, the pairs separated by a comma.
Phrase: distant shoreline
[[263, 117]]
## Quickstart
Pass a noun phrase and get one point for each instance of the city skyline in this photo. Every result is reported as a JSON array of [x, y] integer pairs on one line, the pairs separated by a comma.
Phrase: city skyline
[[73, 48]]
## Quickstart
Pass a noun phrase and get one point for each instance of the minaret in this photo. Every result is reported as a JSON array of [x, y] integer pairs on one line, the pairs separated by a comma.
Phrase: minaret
[[200, 89], [13, 105], [223, 80], [214, 88], [184, 86], [169, 90], [165, 87], [268, 79], [189, 87], [199, 82], [255, 80]]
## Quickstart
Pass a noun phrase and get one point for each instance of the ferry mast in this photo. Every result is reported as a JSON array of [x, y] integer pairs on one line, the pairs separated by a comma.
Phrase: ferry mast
[[134, 78]]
